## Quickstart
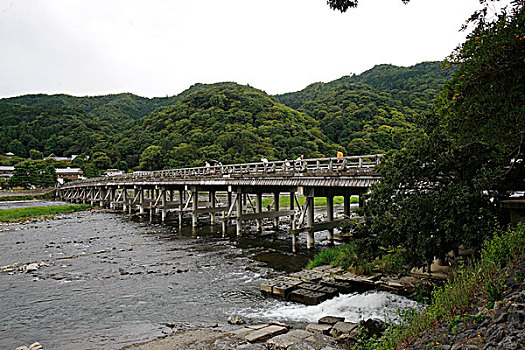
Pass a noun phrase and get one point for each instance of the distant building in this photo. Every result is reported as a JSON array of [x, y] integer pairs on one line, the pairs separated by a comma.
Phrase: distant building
[[6, 172], [115, 172], [10, 154], [65, 159], [69, 173]]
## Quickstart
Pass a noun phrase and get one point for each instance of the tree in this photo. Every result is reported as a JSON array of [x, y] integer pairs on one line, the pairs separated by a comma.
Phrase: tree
[[443, 188], [37, 173], [344, 5], [34, 154], [17, 148], [100, 160], [152, 158]]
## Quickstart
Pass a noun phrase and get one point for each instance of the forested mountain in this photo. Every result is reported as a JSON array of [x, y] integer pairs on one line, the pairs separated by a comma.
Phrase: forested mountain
[[233, 123], [371, 112], [357, 114]]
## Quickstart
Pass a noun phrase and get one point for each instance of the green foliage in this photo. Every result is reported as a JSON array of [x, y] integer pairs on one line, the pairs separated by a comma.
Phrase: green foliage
[[152, 158], [374, 111], [463, 290], [344, 5], [443, 188], [100, 160], [226, 121], [34, 154], [392, 262], [344, 256], [37, 173], [232, 123], [22, 214]]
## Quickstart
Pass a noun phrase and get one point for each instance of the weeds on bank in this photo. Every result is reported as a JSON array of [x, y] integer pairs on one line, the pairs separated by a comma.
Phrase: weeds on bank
[[22, 214], [284, 201], [481, 278]]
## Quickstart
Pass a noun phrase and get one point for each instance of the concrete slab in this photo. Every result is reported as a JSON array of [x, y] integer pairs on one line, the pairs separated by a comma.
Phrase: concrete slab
[[331, 320], [307, 297], [286, 341], [265, 333], [319, 328], [342, 328]]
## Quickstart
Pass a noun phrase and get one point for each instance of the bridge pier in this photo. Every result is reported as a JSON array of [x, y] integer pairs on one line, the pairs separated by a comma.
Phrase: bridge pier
[[311, 178], [276, 198], [310, 222], [195, 207], [292, 221], [212, 202], [239, 200], [330, 214], [259, 211], [164, 212]]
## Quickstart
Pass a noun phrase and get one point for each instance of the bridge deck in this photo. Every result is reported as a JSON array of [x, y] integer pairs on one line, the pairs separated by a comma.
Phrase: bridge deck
[[154, 190]]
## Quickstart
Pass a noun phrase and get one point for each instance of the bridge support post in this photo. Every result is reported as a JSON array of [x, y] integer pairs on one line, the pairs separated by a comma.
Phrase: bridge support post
[[259, 210], [292, 221], [102, 197], [181, 206], [195, 207], [227, 218], [239, 200], [141, 200], [163, 204], [347, 205], [124, 199], [310, 240], [330, 214], [361, 200], [276, 206], [212, 201], [92, 196]]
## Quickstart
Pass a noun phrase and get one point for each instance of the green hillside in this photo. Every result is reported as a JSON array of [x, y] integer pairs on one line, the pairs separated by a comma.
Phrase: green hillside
[[371, 112], [358, 114], [232, 123]]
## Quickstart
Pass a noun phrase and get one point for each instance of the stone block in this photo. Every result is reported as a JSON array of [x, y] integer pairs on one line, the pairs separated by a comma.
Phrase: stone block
[[288, 340], [265, 333], [258, 326], [282, 290], [343, 328], [266, 287], [240, 332], [341, 287], [319, 328], [308, 275], [307, 297], [331, 320]]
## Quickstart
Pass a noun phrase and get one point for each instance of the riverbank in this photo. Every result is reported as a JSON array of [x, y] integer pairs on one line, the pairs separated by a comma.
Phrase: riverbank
[[39, 213], [26, 195]]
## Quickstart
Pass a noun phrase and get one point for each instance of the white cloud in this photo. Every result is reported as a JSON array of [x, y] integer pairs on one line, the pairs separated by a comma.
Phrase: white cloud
[[158, 48]]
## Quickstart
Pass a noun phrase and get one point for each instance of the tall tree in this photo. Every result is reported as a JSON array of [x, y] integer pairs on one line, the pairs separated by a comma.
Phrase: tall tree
[[344, 5], [443, 188], [153, 158]]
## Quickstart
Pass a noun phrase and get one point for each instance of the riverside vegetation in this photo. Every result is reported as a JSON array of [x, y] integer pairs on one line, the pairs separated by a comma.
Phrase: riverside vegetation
[[448, 166], [34, 213], [444, 187]]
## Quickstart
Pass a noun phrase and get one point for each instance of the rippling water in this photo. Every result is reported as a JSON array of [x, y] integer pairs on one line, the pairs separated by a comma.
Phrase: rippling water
[[112, 282]]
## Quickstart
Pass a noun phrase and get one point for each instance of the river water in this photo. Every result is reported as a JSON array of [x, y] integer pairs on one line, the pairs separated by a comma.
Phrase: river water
[[111, 281]]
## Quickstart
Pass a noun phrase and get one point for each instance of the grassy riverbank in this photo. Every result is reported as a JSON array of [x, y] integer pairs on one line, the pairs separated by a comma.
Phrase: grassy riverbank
[[284, 201], [23, 214], [478, 282], [26, 195]]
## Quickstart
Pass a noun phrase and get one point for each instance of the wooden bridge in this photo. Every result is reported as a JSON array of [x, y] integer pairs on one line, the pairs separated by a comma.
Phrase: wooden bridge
[[235, 192]]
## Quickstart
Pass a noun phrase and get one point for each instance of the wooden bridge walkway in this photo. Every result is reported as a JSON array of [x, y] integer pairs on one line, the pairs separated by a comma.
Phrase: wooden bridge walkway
[[229, 190]]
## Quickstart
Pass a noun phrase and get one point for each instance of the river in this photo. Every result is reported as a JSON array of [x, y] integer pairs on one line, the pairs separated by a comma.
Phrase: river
[[111, 281]]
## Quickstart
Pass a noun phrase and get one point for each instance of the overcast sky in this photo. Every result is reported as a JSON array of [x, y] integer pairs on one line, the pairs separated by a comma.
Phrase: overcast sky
[[162, 47]]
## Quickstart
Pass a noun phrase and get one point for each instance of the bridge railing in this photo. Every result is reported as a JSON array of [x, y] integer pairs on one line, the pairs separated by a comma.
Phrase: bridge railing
[[283, 168]]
